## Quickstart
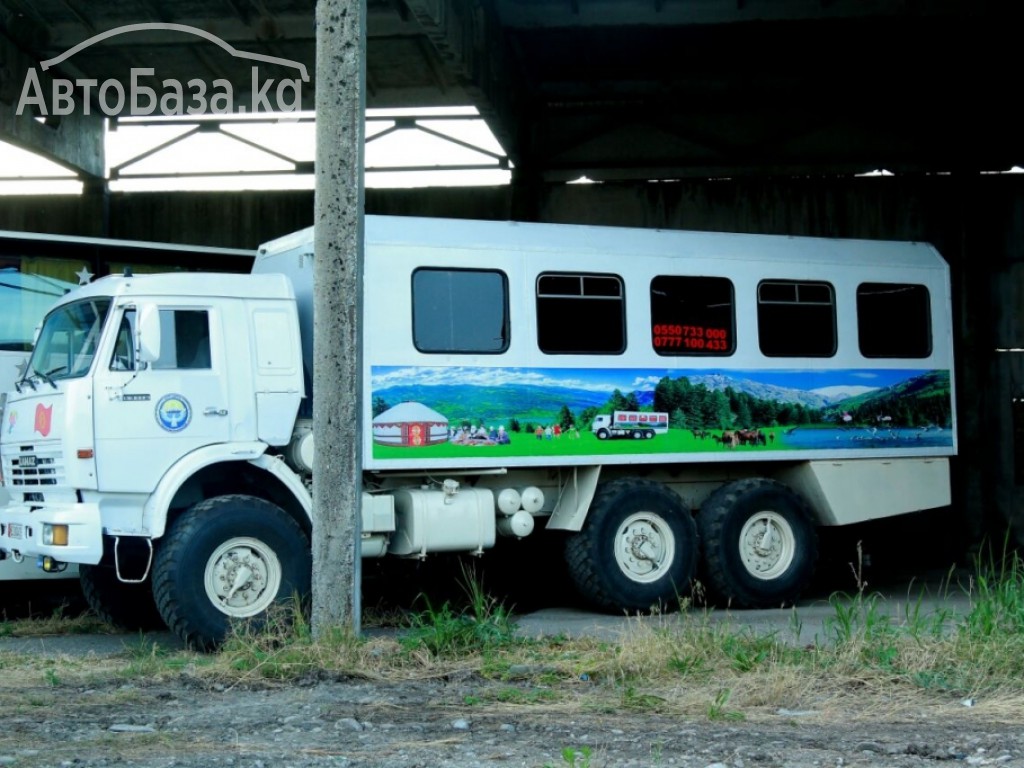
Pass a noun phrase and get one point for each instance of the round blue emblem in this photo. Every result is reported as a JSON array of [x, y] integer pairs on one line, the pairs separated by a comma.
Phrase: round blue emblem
[[173, 413]]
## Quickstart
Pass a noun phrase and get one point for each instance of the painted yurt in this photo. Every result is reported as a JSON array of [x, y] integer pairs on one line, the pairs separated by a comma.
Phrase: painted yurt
[[409, 425]]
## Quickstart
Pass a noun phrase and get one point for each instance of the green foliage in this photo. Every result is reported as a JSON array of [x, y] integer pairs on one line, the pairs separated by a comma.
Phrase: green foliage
[[999, 607], [717, 709], [633, 699], [574, 757], [857, 618], [484, 624], [525, 697], [565, 419], [748, 651], [697, 407]]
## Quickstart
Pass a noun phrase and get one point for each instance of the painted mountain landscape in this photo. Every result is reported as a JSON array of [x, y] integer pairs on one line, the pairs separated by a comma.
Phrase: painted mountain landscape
[[781, 410]]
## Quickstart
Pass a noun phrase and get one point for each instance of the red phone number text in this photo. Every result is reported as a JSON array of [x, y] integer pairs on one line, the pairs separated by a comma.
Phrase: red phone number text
[[690, 337]]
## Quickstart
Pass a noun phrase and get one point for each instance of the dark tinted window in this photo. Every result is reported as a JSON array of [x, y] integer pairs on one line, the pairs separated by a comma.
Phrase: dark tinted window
[[893, 320], [580, 314], [184, 339], [692, 316], [796, 319], [460, 310]]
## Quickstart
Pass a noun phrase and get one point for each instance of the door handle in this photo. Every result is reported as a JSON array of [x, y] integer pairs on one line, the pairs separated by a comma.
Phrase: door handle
[[212, 411]]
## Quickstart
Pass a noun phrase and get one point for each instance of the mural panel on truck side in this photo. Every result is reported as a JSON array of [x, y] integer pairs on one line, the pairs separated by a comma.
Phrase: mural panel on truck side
[[460, 412]]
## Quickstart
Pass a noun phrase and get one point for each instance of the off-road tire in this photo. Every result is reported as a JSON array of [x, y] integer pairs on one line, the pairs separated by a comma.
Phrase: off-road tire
[[128, 606], [729, 527], [626, 515], [196, 557]]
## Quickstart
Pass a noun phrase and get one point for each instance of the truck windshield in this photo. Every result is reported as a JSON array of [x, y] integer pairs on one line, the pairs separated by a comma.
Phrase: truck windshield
[[67, 342]]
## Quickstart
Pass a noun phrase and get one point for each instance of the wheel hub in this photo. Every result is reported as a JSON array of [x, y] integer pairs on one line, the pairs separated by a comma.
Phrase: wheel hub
[[243, 577], [644, 546], [767, 545]]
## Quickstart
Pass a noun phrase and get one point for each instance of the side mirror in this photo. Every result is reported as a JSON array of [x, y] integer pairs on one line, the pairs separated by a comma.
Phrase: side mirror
[[147, 334]]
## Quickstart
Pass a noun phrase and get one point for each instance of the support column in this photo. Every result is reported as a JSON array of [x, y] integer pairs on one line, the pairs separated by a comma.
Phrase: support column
[[75, 141], [337, 314]]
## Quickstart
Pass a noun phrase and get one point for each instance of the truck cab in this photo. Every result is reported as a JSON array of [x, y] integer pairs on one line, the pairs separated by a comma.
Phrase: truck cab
[[138, 393]]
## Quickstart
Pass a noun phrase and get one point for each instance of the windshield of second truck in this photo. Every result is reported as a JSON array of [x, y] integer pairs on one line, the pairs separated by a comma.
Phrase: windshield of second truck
[[68, 340]]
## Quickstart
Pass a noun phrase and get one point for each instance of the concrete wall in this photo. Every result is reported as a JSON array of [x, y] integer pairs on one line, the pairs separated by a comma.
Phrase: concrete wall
[[977, 223]]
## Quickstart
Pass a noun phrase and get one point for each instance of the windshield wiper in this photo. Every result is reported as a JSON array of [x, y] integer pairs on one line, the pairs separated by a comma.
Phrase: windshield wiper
[[26, 379], [47, 375]]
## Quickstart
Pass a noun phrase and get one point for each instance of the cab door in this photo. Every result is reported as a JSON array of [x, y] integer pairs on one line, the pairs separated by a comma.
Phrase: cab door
[[148, 416]]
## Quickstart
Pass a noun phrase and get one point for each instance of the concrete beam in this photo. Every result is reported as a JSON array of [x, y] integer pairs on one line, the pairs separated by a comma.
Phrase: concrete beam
[[74, 141], [337, 314], [468, 40]]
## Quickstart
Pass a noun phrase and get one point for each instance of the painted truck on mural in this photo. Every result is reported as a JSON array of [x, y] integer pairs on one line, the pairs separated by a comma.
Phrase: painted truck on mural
[[806, 382]]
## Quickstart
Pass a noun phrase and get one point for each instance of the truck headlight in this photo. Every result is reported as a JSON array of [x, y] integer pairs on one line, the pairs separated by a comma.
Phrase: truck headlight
[[55, 535]]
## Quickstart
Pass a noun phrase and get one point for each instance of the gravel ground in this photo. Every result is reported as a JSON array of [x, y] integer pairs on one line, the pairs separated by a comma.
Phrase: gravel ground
[[192, 723], [455, 720]]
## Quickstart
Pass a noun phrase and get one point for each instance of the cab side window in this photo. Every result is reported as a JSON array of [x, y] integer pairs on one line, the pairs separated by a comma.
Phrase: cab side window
[[184, 339]]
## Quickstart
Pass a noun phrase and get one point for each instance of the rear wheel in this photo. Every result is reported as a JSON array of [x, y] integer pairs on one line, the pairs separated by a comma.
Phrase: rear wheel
[[758, 543], [226, 560], [637, 550]]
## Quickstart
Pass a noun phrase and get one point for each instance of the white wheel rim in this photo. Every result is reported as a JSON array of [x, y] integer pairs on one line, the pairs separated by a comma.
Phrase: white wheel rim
[[644, 547], [242, 577], [767, 545]]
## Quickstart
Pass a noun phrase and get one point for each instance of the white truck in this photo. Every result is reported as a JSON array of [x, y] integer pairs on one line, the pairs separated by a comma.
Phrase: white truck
[[638, 425], [37, 269], [167, 447]]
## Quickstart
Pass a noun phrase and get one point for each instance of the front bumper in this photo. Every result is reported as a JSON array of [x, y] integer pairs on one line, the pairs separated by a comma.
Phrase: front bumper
[[22, 529]]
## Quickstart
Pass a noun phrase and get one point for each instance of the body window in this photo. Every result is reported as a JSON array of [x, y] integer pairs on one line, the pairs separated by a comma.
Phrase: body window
[[796, 319], [692, 315], [460, 310], [894, 320], [581, 314], [184, 339]]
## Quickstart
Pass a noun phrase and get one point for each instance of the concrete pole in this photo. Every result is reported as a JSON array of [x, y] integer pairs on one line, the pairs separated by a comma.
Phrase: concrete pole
[[337, 307]]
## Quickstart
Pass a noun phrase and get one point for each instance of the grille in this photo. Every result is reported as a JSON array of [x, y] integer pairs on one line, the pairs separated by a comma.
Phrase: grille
[[32, 468]]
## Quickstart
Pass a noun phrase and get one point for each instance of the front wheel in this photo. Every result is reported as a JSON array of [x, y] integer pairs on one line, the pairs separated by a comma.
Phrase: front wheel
[[759, 545], [637, 550], [228, 559]]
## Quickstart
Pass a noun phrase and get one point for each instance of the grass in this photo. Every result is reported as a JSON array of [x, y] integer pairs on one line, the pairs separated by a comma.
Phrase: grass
[[680, 665]]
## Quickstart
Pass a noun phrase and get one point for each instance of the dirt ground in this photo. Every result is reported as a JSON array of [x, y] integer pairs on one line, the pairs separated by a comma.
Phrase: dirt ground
[[463, 721], [459, 719]]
